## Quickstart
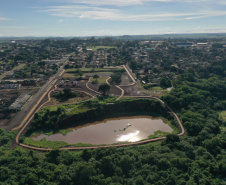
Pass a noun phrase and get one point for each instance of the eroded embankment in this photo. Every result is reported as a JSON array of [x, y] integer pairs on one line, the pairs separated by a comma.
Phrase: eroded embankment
[[142, 106]]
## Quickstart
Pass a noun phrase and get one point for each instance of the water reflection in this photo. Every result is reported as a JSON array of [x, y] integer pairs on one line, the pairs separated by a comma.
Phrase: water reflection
[[108, 131], [129, 137]]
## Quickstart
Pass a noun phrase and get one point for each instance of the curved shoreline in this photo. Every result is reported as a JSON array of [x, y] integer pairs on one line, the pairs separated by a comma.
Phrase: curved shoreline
[[102, 146]]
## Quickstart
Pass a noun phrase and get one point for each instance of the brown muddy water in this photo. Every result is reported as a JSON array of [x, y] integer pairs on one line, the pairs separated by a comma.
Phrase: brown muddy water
[[109, 131]]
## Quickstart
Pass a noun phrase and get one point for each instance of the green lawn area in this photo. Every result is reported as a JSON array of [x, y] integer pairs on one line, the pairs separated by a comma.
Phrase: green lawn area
[[1, 41], [102, 80], [156, 88], [69, 75], [91, 69], [95, 48]]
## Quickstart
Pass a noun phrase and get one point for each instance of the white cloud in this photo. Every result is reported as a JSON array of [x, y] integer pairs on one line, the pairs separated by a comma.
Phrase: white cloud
[[12, 27], [134, 2], [97, 13], [4, 19], [62, 20]]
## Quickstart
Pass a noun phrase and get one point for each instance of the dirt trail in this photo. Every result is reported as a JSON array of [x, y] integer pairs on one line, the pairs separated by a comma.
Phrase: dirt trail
[[103, 146]]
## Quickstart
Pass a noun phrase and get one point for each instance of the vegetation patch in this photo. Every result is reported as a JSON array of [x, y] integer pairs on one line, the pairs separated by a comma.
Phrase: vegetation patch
[[158, 133], [102, 80], [92, 70], [95, 48], [67, 93], [223, 116], [49, 132], [43, 143]]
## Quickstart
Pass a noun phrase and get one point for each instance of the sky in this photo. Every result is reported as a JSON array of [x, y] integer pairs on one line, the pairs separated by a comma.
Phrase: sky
[[110, 17]]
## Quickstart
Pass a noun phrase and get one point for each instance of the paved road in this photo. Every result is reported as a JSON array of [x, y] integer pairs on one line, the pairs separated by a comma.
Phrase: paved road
[[28, 108], [17, 67]]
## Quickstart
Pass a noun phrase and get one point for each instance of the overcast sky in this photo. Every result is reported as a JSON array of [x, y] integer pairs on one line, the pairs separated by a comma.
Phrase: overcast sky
[[110, 17]]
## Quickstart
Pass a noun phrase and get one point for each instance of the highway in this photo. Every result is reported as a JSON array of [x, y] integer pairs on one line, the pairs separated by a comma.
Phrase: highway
[[19, 120]]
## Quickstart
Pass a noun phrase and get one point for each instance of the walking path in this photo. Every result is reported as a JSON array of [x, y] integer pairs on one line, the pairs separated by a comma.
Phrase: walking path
[[130, 75], [102, 146], [122, 91], [87, 86]]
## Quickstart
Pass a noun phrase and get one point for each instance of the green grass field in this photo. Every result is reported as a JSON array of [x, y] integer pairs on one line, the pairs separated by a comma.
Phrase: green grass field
[[73, 70], [4, 41], [102, 80], [95, 48], [70, 75]]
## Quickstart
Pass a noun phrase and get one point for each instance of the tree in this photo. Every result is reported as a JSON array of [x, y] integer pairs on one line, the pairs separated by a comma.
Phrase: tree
[[165, 82], [172, 138], [67, 92], [104, 88], [95, 76], [116, 77], [80, 73], [66, 66]]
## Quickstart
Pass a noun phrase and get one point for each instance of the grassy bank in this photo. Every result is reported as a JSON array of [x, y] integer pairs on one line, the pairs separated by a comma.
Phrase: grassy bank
[[122, 108], [49, 132], [43, 143]]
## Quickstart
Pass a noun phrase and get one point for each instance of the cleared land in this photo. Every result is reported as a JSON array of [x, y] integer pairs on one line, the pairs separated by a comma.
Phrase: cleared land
[[95, 48], [79, 98]]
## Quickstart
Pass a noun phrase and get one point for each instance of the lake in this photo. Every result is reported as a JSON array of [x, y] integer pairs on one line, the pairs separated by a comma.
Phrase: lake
[[113, 130]]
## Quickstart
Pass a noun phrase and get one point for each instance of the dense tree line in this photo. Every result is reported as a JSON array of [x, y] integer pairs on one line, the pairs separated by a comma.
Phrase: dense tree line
[[195, 159]]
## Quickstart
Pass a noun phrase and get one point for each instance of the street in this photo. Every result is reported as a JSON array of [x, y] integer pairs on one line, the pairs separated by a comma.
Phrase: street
[[30, 106]]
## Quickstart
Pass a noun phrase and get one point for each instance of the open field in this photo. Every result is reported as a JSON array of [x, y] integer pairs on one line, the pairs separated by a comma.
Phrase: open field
[[10, 95], [155, 91], [70, 75], [81, 97], [102, 80], [91, 70], [1, 41], [95, 48]]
